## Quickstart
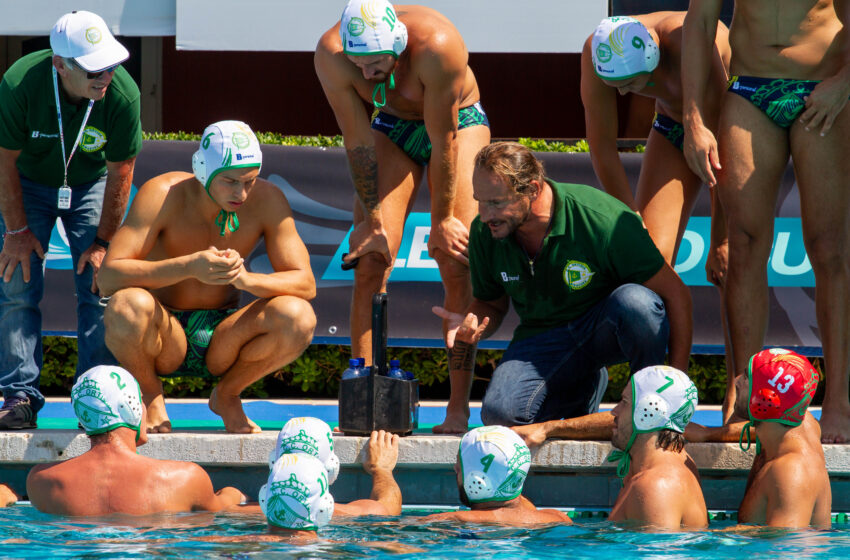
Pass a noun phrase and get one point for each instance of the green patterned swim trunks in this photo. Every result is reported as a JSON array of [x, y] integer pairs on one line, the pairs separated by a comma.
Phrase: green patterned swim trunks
[[198, 326], [782, 100], [412, 137]]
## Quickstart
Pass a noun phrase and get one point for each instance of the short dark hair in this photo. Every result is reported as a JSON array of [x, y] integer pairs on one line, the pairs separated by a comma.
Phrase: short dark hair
[[512, 162], [668, 440]]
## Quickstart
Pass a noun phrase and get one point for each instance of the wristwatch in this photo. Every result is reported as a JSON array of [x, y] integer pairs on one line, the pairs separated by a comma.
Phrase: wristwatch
[[101, 242]]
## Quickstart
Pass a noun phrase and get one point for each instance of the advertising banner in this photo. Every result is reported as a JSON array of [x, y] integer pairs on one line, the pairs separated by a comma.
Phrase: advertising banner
[[316, 182]]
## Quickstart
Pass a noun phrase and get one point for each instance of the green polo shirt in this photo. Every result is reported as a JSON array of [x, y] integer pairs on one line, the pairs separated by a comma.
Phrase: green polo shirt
[[28, 123], [595, 244]]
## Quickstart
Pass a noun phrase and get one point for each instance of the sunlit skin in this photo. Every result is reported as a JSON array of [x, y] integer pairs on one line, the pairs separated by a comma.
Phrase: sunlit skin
[[622, 430], [229, 189], [76, 84], [635, 84], [501, 209]]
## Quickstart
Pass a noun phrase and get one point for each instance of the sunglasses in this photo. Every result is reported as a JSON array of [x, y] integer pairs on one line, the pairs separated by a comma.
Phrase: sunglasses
[[98, 74]]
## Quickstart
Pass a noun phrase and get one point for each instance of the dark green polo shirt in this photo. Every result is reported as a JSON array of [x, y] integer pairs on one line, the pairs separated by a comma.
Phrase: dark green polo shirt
[[595, 244], [28, 123]]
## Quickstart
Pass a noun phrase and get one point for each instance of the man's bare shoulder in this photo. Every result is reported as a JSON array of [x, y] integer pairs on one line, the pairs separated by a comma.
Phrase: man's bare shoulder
[[167, 181], [429, 32]]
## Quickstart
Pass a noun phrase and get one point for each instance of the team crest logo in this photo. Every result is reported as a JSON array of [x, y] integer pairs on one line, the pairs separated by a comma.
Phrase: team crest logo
[[93, 140], [90, 405], [288, 503], [356, 27], [300, 443], [603, 52], [241, 140], [577, 275], [93, 35]]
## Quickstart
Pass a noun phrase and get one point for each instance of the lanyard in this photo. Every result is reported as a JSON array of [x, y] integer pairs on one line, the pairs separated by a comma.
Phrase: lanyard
[[67, 162]]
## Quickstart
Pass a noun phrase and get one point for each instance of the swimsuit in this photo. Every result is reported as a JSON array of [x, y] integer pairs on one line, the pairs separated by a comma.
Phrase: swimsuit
[[782, 100], [671, 129], [412, 137], [198, 326]]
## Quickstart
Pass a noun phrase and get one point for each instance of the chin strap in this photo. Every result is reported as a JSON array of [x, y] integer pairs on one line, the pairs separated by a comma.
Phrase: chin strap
[[622, 458], [746, 430], [226, 221], [381, 90]]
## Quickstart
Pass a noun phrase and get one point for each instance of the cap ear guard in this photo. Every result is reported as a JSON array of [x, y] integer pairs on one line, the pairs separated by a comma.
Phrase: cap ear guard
[[478, 486], [651, 412], [332, 466], [652, 54], [199, 167], [399, 38]]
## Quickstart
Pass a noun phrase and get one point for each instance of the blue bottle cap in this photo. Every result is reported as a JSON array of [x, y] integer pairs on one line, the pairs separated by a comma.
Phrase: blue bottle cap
[[395, 363], [352, 362]]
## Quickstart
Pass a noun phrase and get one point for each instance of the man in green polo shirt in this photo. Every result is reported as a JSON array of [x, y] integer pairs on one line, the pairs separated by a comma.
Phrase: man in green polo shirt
[[590, 287], [69, 135]]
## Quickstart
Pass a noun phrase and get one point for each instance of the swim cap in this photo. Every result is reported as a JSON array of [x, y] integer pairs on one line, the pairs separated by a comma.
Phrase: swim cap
[[105, 398], [296, 495], [782, 384], [310, 436], [494, 462], [371, 27], [225, 145], [663, 398], [622, 48]]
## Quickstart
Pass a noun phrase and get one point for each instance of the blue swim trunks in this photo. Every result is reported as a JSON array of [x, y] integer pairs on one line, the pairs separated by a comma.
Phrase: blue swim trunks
[[198, 326], [412, 137], [671, 129], [782, 100]]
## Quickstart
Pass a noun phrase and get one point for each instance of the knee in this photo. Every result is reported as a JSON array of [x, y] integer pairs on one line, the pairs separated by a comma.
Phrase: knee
[[502, 405], [827, 252], [371, 270], [293, 317], [129, 310], [640, 310]]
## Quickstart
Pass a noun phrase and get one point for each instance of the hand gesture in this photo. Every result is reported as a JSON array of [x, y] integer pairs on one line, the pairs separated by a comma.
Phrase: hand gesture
[[717, 263], [700, 149], [216, 266], [824, 104], [459, 327], [93, 256], [16, 250], [533, 434], [368, 238], [383, 452], [451, 237]]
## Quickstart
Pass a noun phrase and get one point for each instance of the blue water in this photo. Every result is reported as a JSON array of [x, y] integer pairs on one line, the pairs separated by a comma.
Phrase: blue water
[[26, 533]]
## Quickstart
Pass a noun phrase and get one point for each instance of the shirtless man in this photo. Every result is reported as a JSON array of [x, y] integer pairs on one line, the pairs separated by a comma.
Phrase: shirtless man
[[788, 484], [660, 481], [491, 468], [112, 477], [176, 265], [311, 436], [412, 66], [7, 497], [790, 84]]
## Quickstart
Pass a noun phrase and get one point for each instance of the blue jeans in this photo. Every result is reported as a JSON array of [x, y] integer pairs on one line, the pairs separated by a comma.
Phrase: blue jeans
[[20, 317], [561, 373]]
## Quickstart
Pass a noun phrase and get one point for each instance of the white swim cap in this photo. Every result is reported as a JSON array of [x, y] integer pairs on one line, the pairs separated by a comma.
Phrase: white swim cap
[[86, 38], [371, 27], [309, 436], [296, 495], [622, 48], [663, 398], [105, 398], [494, 462]]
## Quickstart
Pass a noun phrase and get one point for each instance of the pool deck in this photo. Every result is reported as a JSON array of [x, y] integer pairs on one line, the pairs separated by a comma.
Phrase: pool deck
[[563, 473]]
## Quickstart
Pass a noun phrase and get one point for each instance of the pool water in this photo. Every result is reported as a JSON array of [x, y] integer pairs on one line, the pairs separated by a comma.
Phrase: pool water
[[26, 533]]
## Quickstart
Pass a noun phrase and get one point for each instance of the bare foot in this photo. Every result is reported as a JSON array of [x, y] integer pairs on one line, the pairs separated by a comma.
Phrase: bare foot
[[834, 426], [455, 423], [230, 410], [158, 422]]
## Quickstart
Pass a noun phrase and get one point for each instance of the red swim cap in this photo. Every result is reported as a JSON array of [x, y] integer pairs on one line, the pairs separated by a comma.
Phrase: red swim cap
[[782, 384]]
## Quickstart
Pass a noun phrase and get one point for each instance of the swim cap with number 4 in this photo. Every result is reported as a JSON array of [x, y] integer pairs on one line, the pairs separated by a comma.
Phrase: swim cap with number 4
[[623, 48], [494, 462]]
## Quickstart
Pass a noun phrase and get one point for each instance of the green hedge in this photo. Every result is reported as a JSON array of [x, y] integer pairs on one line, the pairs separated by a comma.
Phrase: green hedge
[[316, 372]]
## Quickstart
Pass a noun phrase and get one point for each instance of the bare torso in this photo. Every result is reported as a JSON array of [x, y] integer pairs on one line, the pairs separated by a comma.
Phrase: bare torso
[[786, 39], [428, 32], [666, 494], [523, 513], [791, 488]]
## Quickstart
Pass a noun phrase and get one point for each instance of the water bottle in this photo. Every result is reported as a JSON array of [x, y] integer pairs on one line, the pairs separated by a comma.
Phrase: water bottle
[[353, 371], [395, 371]]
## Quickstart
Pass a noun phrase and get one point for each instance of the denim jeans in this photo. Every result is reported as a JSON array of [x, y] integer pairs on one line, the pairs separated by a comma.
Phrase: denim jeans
[[561, 373], [20, 317]]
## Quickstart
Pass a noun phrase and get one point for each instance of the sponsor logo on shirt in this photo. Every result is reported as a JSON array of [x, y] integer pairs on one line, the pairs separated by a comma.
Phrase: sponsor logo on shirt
[[577, 275], [507, 278], [39, 134], [93, 140]]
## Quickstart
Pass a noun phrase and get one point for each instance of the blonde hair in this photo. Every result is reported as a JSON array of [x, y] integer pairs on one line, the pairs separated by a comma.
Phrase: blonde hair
[[512, 162]]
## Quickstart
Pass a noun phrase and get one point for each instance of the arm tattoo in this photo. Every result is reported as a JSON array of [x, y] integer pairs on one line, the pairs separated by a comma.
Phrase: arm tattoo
[[461, 356], [363, 163]]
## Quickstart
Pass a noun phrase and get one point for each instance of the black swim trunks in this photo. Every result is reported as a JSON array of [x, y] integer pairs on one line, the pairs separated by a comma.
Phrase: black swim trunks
[[412, 137], [671, 129]]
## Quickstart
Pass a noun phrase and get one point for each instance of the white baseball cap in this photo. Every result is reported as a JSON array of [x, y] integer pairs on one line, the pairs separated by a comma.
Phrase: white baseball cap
[[494, 462], [310, 436], [85, 37]]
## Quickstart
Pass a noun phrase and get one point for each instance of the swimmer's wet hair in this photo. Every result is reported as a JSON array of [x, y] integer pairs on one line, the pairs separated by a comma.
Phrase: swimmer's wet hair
[[512, 162], [669, 440]]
